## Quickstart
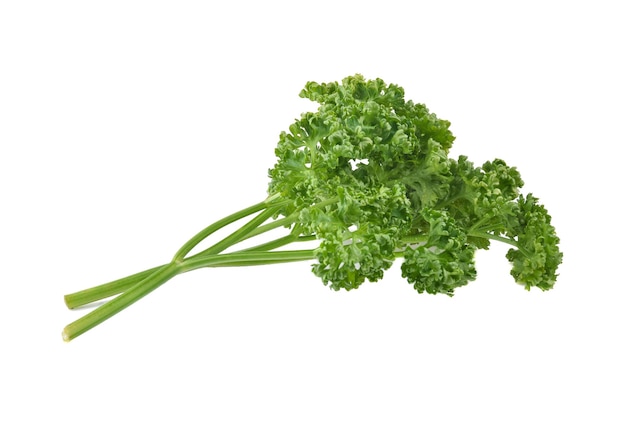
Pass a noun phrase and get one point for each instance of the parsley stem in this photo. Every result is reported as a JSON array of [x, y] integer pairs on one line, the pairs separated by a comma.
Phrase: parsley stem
[[277, 243], [290, 219], [130, 296], [493, 237], [106, 290], [204, 233], [131, 288], [96, 293], [115, 287], [165, 273], [247, 258], [239, 234]]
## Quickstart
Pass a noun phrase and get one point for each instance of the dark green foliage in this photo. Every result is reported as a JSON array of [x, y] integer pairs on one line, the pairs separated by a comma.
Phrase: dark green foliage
[[378, 166]]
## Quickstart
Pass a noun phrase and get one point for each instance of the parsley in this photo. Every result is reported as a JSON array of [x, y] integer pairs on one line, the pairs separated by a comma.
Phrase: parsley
[[368, 176]]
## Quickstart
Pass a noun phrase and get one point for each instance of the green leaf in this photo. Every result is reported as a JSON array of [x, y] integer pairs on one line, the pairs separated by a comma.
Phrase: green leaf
[[445, 262]]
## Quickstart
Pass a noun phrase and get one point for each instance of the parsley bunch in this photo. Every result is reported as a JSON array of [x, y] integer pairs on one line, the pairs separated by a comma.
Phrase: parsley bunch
[[368, 176]]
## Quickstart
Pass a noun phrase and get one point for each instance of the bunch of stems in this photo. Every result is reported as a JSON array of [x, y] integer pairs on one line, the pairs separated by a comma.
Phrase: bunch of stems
[[130, 289]]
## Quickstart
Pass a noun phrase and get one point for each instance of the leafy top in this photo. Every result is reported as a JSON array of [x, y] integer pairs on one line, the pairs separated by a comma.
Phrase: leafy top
[[368, 174]]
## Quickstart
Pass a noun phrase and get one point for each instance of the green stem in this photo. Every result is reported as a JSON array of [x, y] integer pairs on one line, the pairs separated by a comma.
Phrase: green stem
[[106, 290], [277, 243], [493, 237], [290, 219], [204, 233], [163, 274], [134, 287], [247, 258], [115, 287], [130, 296], [499, 238], [96, 293], [240, 233], [282, 222], [416, 239]]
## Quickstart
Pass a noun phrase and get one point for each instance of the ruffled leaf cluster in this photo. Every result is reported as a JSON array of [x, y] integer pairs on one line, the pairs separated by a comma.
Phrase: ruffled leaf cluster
[[445, 261], [368, 174]]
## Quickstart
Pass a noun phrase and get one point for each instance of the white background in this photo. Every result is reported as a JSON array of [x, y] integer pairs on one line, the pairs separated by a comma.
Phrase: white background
[[127, 126]]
